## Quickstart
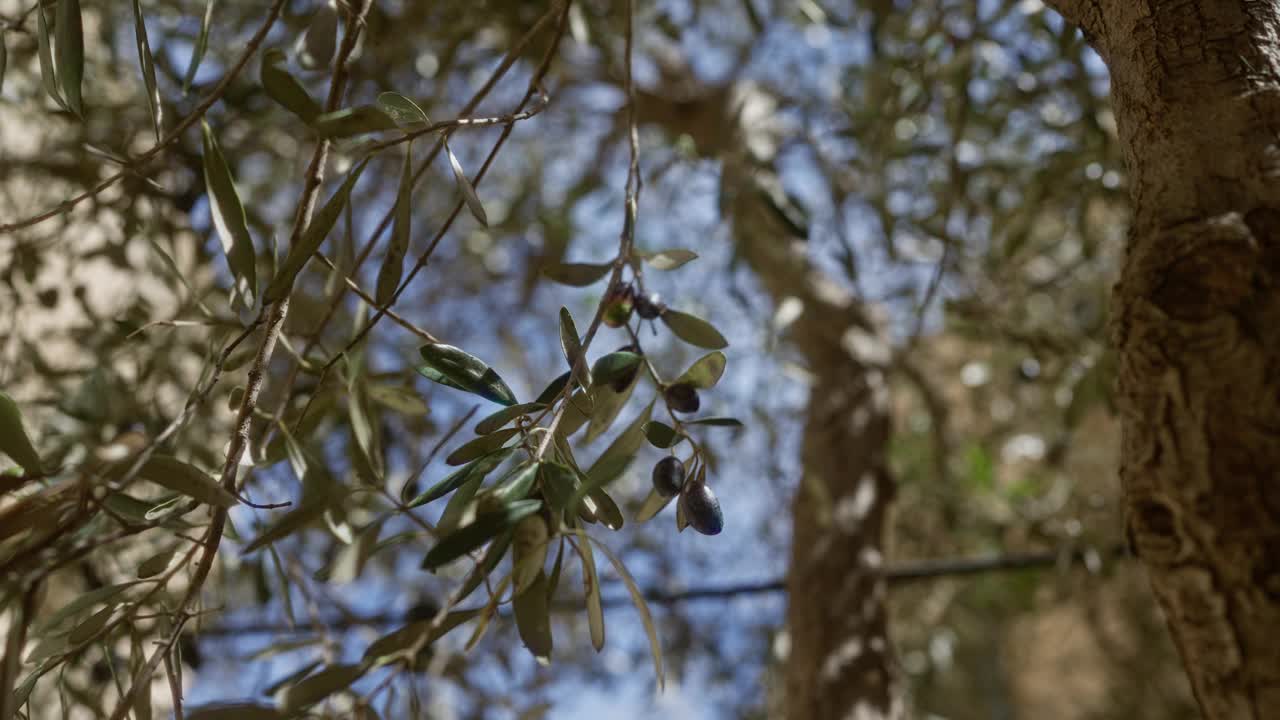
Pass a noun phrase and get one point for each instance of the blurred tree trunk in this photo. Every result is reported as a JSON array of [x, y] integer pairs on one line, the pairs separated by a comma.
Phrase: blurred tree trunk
[[1196, 92], [840, 663]]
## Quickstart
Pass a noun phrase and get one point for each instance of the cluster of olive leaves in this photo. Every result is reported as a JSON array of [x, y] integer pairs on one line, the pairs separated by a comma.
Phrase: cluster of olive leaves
[[546, 496]]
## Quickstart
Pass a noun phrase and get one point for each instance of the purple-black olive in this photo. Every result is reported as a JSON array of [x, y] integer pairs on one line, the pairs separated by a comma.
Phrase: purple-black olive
[[668, 476], [683, 398], [702, 509], [650, 307]]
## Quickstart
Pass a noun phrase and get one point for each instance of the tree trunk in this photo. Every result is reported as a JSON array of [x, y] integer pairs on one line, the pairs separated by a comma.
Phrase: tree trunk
[[840, 664], [1196, 92]]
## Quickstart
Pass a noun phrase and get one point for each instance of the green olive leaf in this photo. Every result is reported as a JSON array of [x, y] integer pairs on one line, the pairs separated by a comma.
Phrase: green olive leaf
[[481, 446], [669, 259], [591, 590], [467, 189], [577, 274], [284, 88], [572, 348], [352, 121], [616, 457], [471, 536], [69, 43], [320, 39], [500, 418], [705, 373], [228, 217], [201, 46], [660, 434], [458, 369], [614, 366], [404, 112], [147, 63], [420, 633], [482, 467], [314, 688], [533, 617], [14, 441], [48, 73], [716, 422], [402, 217], [694, 330]]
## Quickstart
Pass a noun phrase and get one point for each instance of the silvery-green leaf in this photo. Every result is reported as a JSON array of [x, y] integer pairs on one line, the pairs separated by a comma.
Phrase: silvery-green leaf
[[694, 330], [14, 441], [468, 190], [69, 43], [404, 112], [669, 259], [284, 88], [456, 368], [577, 274], [229, 217]]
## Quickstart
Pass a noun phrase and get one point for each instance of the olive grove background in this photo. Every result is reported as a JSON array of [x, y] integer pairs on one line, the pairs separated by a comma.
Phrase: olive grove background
[[906, 219]]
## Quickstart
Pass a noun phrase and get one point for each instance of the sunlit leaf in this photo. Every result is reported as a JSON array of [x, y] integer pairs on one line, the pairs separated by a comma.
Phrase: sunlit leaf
[[352, 558], [505, 415], [284, 88], [402, 217], [4, 59], [533, 617], [82, 602], [487, 612], [201, 46], [468, 190], [705, 373], [553, 390], [694, 330], [403, 400], [478, 532], [492, 556], [558, 483], [637, 597], [14, 441], [604, 508], [451, 366], [653, 504], [516, 484], [405, 112], [313, 689], [290, 522], [228, 217], [669, 259], [577, 274], [69, 42], [311, 239]]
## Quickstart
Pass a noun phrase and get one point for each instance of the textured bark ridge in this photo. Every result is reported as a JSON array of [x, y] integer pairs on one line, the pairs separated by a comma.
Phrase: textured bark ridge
[[840, 662], [1196, 91]]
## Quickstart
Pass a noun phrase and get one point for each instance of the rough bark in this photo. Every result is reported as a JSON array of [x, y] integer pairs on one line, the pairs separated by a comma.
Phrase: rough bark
[[1196, 92]]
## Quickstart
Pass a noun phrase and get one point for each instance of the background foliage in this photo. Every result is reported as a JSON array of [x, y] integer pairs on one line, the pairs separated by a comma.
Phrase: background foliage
[[952, 163]]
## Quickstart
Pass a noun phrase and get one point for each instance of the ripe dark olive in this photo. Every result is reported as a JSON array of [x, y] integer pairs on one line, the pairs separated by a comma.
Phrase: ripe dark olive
[[702, 509], [618, 306], [668, 476], [649, 307], [682, 398]]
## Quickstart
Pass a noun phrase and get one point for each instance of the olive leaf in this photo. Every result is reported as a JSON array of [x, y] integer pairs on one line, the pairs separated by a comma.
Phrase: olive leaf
[[404, 112], [716, 422], [156, 564], [481, 446], [352, 121], [172, 473], [147, 63], [660, 435], [694, 330], [604, 508], [652, 505], [320, 39], [468, 190], [500, 418], [492, 556], [637, 598], [528, 551], [48, 73], [591, 589], [419, 633], [553, 389], [294, 520], [577, 274], [533, 617], [572, 348], [478, 532], [606, 405], [482, 467], [614, 366], [197, 52], [516, 484], [284, 88], [69, 43], [458, 369], [311, 238], [393, 261], [616, 457], [234, 711], [4, 58], [705, 373], [669, 259], [314, 688], [228, 216], [14, 441]]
